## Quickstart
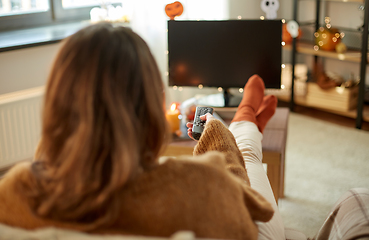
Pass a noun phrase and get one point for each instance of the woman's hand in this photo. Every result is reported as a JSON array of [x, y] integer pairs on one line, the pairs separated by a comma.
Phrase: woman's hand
[[207, 117]]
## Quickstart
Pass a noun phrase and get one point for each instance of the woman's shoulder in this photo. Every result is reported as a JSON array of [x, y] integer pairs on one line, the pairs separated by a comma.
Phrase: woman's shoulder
[[18, 173]]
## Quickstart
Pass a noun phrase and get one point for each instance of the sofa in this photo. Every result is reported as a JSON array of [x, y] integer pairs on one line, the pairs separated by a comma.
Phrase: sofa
[[13, 233]]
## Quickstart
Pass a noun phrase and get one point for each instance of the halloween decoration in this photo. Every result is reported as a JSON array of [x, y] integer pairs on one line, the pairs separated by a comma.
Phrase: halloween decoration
[[270, 8], [174, 10], [341, 47], [326, 38], [290, 30], [322, 79]]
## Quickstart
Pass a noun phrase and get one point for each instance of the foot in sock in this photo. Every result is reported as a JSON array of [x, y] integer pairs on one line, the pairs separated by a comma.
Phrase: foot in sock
[[266, 111], [252, 99]]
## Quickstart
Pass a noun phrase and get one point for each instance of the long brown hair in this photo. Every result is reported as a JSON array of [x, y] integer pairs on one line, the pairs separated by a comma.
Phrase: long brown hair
[[103, 123]]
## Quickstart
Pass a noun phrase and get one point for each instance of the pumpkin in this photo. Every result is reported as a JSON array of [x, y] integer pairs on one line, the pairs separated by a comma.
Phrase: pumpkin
[[286, 36], [174, 9], [327, 38]]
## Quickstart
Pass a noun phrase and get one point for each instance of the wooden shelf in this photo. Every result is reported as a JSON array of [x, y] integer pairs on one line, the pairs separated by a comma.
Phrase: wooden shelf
[[308, 48], [301, 100]]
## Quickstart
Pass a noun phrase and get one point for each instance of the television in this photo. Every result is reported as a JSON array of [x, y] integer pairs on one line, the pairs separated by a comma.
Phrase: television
[[224, 53]]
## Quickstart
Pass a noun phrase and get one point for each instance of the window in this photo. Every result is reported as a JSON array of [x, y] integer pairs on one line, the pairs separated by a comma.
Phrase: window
[[14, 7], [17, 14]]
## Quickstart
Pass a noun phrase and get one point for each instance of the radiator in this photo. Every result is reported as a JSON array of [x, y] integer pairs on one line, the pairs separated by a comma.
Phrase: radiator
[[20, 125]]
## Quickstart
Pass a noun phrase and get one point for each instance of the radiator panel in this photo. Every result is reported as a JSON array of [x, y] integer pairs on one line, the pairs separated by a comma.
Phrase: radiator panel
[[20, 126]]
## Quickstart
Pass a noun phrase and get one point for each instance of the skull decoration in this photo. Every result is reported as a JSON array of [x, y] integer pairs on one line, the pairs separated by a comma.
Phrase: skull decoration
[[270, 7]]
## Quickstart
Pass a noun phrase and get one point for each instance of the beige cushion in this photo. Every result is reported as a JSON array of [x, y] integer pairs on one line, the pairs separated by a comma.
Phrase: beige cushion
[[7, 232]]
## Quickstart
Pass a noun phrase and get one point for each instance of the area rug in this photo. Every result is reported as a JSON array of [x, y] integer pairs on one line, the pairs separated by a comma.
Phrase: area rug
[[323, 160]]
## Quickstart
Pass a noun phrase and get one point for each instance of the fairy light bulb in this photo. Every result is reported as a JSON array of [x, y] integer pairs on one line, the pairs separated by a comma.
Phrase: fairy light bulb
[[175, 87], [220, 89], [240, 90], [200, 86], [180, 89]]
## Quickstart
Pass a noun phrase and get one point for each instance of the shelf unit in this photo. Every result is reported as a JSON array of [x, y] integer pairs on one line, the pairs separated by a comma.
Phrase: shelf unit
[[360, 57]]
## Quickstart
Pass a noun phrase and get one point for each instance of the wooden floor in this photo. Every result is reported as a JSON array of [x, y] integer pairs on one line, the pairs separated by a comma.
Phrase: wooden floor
[[329, 117]]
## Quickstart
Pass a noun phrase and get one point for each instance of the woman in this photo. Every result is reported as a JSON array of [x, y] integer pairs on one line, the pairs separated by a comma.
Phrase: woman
[[96, 168]]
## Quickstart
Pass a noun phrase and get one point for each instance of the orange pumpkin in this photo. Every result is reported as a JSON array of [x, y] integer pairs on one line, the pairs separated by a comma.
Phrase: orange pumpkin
[[174, 9], [286, 36], [327, 38]]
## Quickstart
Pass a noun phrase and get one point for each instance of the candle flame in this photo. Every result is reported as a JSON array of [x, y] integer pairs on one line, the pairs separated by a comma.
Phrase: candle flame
[[173, 107]]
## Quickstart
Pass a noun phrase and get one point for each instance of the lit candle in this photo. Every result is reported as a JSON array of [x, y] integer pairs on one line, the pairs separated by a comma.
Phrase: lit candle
[[173, 117]]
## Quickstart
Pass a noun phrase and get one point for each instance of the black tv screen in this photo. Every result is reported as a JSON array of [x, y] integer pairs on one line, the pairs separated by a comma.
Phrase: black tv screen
[[224, 53]]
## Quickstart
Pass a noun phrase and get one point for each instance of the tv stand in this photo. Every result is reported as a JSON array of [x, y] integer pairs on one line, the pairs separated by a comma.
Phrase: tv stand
[[225, 99]]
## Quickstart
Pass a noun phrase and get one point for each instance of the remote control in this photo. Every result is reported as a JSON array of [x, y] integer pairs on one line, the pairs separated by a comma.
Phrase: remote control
[[198, 124]]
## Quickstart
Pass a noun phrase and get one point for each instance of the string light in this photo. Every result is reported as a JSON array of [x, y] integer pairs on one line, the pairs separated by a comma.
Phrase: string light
[[220, 89], [200, 86], [240, 90], [283, 20], [316, 47], [239, 17], [283, 65], [283, 43], [262, 18], [283, 87]]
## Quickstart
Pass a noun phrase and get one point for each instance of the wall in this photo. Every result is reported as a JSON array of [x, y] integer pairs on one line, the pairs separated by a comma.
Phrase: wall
[[25, 68], [22, 69]]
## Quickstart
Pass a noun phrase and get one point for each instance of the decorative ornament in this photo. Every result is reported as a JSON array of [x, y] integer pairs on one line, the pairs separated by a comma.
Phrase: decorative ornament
[[290, 30], [341, 48], [174, 10], [326, 38], [270, 8]]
